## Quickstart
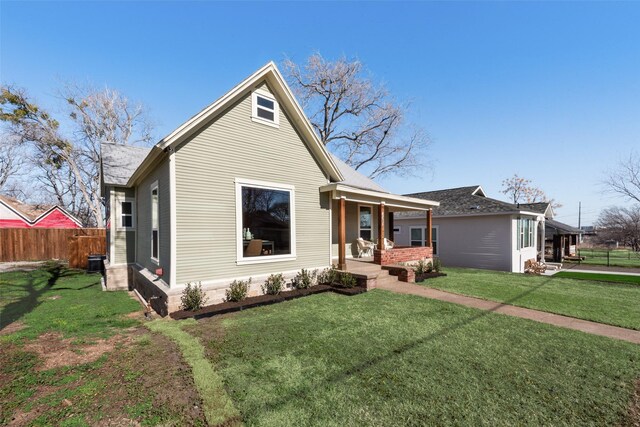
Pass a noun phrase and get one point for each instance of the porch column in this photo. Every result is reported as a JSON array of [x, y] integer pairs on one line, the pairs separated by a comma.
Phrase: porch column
[[429, 236], [381, 226], [342, 235]]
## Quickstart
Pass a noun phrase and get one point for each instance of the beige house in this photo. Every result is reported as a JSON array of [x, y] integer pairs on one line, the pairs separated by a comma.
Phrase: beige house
[[243, 189], [472, 230]]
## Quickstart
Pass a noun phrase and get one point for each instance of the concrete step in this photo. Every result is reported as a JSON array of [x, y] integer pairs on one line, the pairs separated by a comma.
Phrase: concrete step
[[386, 280]]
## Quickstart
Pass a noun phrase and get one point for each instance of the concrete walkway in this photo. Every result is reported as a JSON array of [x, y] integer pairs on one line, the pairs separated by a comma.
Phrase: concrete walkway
[[526, 313]]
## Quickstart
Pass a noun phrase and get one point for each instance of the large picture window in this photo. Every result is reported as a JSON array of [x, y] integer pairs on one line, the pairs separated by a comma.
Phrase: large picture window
[[267, 222]]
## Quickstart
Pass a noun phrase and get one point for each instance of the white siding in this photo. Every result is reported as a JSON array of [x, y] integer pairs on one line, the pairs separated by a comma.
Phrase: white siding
[[475, 242]]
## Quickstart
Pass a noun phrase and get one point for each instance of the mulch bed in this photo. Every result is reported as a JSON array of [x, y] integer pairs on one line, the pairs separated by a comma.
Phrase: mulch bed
[[425, 276], [228, 307]]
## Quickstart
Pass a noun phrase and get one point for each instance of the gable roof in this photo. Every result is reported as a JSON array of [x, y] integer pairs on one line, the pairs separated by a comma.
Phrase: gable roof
[[269, 73], [120, 161], [538, 207], [24, 210], [463, 201], [556, 227], [355, 179], [31, 214]]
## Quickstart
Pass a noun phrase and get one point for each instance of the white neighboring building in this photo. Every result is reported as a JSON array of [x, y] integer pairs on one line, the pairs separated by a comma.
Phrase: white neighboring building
[[473, 230]]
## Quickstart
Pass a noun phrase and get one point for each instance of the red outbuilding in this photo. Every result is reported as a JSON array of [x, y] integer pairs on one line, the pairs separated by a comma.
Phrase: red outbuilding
[[15, 214]]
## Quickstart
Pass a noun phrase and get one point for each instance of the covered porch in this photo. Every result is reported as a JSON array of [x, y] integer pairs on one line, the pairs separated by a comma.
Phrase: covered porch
[[359, 213]]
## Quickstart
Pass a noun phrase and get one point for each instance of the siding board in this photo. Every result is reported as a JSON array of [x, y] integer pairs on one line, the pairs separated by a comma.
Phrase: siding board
[[233, 146]]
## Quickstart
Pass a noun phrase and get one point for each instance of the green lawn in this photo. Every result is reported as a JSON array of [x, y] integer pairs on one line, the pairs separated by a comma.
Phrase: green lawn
[[74, 355], [598, 277], [56, 299], [386, 359], [617, 257], [611, 303]]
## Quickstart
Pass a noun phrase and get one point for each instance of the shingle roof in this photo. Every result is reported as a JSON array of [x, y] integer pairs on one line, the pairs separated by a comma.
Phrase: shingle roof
[[120, 161], [353, 178], [31, 212], [462, 201], [556, 227], [539, 207]]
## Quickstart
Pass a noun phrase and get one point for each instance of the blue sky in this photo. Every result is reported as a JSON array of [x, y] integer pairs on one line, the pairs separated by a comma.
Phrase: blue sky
[[550, 91]]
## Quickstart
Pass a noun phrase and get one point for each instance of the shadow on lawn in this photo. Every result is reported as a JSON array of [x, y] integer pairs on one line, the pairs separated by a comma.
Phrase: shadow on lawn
[[303, 392], [16, 309]]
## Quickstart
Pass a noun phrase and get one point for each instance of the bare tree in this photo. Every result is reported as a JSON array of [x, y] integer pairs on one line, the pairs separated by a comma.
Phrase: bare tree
[[625, 178], [358, 119], [11, 162], [621, 224], [520, 190], [69, 163]]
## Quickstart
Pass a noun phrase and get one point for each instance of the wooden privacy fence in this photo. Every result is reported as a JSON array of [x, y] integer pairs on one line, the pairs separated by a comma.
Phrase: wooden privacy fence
[[39, 244], [80, 247]]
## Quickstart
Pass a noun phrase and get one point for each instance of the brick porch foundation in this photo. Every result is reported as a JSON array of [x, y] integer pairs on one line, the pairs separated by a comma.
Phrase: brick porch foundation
[[401, 254]]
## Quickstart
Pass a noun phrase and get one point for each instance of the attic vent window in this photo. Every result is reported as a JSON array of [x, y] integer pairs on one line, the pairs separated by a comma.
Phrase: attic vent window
[[265, 109]]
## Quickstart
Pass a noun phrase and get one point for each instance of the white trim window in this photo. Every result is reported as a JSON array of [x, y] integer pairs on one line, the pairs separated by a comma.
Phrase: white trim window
[[524, 232], [127, 216], [417, 237], [265, 222], [265, 108], [155, 222], [365, 222]]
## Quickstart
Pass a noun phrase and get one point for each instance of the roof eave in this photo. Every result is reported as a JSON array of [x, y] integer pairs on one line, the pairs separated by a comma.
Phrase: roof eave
[[271, 73], [388, 198]]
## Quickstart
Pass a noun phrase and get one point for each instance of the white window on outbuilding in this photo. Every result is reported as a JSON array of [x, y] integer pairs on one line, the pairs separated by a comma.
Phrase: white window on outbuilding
[[265, 108]]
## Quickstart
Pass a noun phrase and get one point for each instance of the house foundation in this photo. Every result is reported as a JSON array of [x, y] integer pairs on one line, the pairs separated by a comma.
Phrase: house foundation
[[117, 277]]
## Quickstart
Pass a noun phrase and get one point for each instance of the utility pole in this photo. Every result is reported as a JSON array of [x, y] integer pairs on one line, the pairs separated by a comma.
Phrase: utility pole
[[579, 220], [579, 214]]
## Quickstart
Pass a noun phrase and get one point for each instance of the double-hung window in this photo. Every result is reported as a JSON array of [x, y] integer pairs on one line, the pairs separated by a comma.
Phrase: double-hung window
[[366, 221], [265, 216], [418, 237], [265, 108], [126, 214], [155, 221]]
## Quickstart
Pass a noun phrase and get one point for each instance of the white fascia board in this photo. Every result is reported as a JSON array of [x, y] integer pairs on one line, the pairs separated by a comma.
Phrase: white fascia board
[[472, 215], [146, 164], [388, 199], [48, 212], [15, 211], [271, 73]]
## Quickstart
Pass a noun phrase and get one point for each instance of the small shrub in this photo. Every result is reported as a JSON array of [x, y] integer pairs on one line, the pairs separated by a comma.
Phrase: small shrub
[[437, 265], [274, 284], [347, 280], [423, 267], [193, 297], [329, 276], [304, 279], [238, 290]]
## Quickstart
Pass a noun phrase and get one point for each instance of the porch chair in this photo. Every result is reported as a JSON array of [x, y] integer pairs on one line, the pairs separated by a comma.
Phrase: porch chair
[[254, 248], [365, 247], [388, 244]]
